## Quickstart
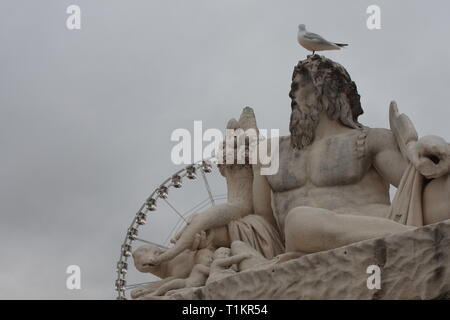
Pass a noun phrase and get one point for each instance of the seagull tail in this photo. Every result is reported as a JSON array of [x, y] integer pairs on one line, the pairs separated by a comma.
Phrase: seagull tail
[[342, 45]]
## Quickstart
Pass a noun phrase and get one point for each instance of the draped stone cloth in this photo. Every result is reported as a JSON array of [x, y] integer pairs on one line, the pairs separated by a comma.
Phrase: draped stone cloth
[[406, 207], [257, 233]]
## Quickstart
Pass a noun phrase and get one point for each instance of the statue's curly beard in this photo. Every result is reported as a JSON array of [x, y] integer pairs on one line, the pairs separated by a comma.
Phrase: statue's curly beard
[[305, 118], [304, 121]]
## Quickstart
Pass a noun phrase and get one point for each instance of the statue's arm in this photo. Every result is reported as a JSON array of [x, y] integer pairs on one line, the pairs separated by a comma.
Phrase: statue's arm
[[214, 217], [228, 262], [436, 200], [430, 155], [386, 156], [200, 268]]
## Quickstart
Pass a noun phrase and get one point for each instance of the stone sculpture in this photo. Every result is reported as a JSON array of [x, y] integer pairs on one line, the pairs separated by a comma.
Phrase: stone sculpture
[[224, 264], [332, 186]]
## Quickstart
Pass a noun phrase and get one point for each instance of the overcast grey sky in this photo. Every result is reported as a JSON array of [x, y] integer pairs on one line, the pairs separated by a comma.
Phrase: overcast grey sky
[[86, 115]]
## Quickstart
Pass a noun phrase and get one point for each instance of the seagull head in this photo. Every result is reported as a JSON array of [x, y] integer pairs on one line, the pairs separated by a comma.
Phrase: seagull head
[[301, 27]]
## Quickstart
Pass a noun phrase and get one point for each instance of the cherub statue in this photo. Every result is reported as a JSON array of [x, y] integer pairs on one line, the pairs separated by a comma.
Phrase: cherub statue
[[224, 264], [190, 269], [196, 278]]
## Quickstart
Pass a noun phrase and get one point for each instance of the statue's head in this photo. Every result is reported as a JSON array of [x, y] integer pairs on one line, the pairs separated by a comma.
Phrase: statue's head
[[222, 252], [142, 257], [321, 85]]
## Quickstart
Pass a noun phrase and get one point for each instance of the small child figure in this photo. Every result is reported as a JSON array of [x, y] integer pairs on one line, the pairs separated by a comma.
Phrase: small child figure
[[224, 265], [197, 278]]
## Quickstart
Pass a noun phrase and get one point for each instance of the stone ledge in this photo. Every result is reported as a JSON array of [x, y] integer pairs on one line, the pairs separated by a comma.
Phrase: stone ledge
[[414, 265]]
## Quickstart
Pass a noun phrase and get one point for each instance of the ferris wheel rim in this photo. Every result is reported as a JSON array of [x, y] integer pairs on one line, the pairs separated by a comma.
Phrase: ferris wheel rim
[[204, 166]]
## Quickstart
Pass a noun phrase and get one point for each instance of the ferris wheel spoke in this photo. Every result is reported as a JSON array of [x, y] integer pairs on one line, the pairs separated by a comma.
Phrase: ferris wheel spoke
[[152, 243], [197, 207], [172, 232], [208, 188], [175, 210], [179, 224]]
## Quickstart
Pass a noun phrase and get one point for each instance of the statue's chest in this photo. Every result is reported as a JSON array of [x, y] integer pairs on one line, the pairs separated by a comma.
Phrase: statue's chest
[[333, 161]]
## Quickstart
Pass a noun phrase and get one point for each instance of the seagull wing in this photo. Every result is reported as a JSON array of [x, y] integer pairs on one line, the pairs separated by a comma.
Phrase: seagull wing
[[315, 37]]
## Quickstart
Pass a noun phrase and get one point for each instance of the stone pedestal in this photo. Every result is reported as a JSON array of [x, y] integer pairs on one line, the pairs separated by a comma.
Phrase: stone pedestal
[[414, 265]]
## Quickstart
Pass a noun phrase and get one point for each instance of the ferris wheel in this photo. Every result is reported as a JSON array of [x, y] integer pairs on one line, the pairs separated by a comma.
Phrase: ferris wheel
[[143, 216]]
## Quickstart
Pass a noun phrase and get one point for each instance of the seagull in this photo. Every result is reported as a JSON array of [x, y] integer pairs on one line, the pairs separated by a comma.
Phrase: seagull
[[314, 42]]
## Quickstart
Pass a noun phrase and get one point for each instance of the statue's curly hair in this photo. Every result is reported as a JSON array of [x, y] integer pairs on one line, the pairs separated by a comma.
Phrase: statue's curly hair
[[334, 91]]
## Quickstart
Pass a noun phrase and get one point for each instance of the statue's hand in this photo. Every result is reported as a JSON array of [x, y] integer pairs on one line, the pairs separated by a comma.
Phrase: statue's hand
[[187, 238], [430, 155], [177, 236], [201, 241], [164, 256]]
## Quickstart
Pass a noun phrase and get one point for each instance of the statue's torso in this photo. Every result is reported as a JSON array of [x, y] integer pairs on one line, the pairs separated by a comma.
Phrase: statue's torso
[[334, 173]]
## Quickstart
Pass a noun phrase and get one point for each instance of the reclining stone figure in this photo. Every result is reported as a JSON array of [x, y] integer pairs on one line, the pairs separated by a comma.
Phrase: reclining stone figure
[[332, 186]]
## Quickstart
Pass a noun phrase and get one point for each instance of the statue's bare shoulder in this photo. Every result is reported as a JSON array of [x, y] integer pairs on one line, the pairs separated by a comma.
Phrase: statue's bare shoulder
[[379, 139], [385, 153]]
